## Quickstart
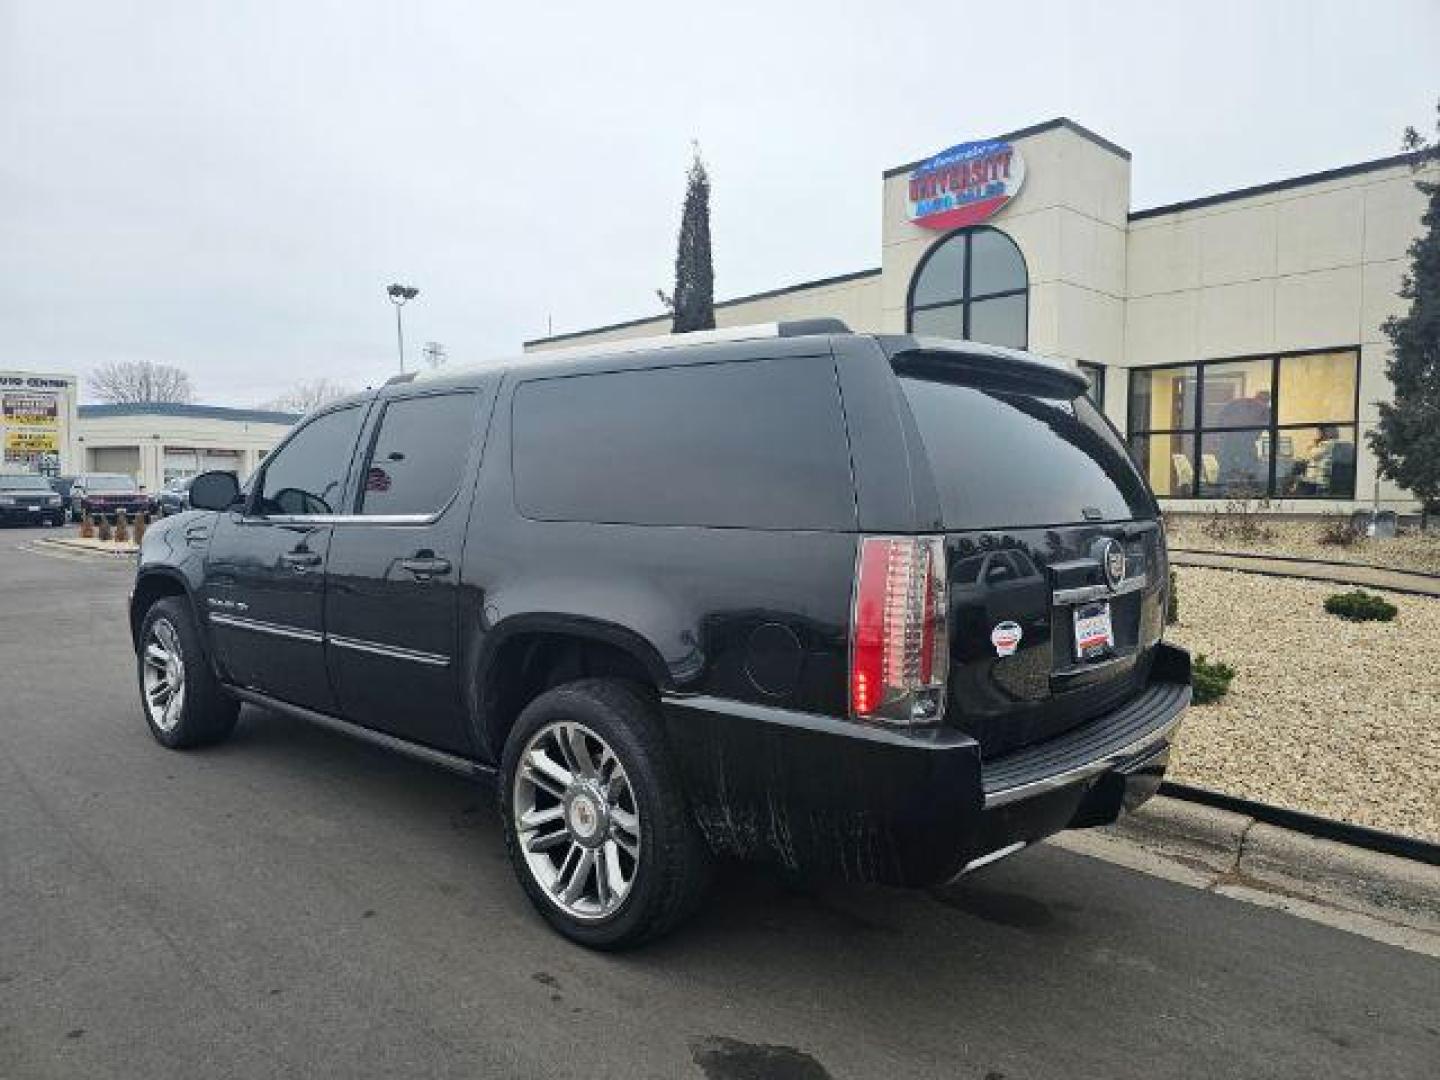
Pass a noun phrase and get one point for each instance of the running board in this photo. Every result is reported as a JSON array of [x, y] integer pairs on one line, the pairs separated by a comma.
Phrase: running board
[[428, 754]]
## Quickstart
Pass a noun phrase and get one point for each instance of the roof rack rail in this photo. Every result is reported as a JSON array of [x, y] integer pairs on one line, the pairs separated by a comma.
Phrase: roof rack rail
[[403, 377], [620, 346]]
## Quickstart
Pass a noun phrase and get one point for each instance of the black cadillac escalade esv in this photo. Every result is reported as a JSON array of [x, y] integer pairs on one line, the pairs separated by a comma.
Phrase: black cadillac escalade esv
[[882, 607]]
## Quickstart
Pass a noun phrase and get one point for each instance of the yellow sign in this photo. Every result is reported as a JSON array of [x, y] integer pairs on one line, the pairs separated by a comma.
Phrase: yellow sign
[[32, 442], [36, 410]]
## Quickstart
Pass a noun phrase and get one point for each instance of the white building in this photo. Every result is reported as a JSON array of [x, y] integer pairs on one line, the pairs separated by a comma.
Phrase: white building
[[1234, 338], [159, 443], [44, 430]]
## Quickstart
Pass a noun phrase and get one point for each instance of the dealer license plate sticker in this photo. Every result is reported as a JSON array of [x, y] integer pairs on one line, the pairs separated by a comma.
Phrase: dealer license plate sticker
[[1094, 634]]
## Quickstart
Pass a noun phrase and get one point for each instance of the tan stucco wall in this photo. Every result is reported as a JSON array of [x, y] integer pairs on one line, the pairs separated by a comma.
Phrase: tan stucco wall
[[1307, 267]]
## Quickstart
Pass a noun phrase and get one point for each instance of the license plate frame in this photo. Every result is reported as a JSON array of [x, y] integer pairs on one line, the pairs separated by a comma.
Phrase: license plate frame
[[1094, 628]]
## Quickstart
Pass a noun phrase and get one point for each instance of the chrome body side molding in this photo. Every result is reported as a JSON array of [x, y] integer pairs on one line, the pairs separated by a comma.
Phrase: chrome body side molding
[[314, 637], [294, 633], [392, 651]]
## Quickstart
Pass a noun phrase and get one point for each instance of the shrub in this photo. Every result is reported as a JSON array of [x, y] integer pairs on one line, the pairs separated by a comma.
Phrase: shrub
[[1241, 522], [87, 527], [103, 532], [142, 522], [1360, 606], [1172, 601], [122, 528], [1340, 532], [1209, 681]]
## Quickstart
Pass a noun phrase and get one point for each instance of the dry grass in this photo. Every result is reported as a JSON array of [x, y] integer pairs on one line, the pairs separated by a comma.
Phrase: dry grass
[[1335, 718], [1301, 539]]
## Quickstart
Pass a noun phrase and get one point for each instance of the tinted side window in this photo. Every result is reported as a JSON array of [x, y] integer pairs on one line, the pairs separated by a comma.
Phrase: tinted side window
[[419, 452], [307, 475], [756, 444]]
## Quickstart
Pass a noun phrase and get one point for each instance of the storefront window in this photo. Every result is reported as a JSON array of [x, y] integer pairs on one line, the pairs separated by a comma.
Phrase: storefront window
[[1096, 374], [1237, 394], [972, 285], [1317, 462], [1317, 387], [1163, 399], [948, 321], [1275, 426], [1235, 464], [1168, 463]]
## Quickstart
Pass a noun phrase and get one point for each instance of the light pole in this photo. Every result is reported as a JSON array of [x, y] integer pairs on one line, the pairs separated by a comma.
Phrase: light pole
[[399, 295]]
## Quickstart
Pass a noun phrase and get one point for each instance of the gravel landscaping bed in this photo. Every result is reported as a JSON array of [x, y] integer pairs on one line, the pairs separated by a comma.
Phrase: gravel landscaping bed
[[1334, 718], [1301, 540]]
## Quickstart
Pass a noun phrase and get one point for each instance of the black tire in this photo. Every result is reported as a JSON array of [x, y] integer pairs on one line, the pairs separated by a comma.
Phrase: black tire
[[205, 713], [675, 866]]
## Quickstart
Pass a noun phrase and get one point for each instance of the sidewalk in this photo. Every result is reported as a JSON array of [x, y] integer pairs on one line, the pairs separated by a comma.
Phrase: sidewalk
[[1399, 581]]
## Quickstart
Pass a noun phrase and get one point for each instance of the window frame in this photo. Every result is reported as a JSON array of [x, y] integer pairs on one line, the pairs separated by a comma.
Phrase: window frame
[[1194, 436], [968, 297], [1096, 374]]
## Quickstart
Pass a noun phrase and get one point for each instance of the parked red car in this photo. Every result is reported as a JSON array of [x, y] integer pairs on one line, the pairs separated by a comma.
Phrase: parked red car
[[106, 494]]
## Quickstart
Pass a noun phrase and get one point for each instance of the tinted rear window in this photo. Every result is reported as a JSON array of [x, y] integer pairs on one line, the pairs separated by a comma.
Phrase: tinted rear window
[[756, 444], [1008, 459]]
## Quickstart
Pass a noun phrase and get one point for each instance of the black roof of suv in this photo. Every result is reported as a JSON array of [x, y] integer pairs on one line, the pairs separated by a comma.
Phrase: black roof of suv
[[882, 606]]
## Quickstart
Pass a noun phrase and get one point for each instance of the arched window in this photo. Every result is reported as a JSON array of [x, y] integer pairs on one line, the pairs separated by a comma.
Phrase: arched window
[[972, 284]]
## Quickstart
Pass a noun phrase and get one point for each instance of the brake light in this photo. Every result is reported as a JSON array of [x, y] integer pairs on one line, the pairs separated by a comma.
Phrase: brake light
[[899, 630]]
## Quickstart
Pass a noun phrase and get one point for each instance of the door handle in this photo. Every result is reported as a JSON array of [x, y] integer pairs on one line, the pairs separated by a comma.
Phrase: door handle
[[300, 561], [425, 567]]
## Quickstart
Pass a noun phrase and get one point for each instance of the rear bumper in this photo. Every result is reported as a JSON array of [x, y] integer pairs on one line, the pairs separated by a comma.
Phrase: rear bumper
[[828, 796]]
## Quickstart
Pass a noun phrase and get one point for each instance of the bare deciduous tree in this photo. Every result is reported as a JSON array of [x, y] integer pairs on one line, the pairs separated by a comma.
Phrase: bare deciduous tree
[[142, 382], [307, 395]]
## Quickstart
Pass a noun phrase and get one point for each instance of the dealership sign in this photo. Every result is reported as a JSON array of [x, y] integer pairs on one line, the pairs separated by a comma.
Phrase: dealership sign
[[965, 184], [42, 410]]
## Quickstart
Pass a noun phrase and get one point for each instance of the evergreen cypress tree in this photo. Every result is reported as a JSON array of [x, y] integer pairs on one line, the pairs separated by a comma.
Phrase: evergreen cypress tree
[[693, 303], [1407, 441]]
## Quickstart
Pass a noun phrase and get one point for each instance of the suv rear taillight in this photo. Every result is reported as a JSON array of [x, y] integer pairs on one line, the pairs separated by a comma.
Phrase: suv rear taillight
[[899, 631]]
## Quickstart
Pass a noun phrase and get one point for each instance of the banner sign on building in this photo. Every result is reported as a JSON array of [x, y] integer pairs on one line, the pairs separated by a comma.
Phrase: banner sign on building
[[22, 445], [35, 416], [34, 409], [965, 184]]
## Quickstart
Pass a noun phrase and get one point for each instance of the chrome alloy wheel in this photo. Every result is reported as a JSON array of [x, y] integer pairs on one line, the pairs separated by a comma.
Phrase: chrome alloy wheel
[[164, 676], [576, 820]]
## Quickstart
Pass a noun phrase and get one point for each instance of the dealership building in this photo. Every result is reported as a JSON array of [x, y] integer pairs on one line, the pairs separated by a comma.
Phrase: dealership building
[[44, 429], [1234, 338]]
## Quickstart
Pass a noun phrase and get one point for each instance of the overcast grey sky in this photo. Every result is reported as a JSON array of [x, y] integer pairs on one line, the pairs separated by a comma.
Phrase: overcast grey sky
[[229, 186]]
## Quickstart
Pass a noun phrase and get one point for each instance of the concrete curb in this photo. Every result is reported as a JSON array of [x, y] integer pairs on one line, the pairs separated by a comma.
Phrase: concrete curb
[[87, 547], [1198, 836], [1399, 890], [1232, 849]]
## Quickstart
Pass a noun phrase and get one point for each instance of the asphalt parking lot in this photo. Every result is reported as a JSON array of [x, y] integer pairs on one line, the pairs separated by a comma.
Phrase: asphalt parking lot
[[294, 903]]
